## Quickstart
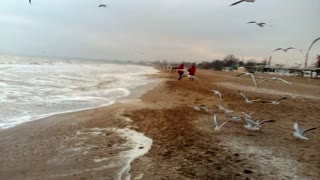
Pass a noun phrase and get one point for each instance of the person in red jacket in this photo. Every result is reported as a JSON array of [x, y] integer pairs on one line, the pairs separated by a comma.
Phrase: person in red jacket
[[192, 71], [180, 70]]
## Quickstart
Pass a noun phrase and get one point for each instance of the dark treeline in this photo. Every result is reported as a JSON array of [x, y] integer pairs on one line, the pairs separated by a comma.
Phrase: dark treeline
[[230, 62]]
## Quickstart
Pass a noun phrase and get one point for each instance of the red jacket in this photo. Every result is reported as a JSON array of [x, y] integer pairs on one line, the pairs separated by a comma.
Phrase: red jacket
[[180, 68], [192, 70]]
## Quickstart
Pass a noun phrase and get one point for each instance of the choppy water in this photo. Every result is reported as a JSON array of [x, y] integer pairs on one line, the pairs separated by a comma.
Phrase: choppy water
[[34, 88]]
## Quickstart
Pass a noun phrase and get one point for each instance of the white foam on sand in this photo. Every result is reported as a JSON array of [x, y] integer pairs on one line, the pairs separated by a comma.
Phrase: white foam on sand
[[140, 146]]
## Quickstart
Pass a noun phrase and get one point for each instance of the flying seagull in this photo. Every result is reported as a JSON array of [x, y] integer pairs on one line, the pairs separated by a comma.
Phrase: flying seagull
[[225, 110], [275, 101], [103, 5], [218, 94], [274, 79], [299, 133], [218, 126], [246, 99], [261, 24], [241, 2], [252, 77], [235, 118], [286, 49], [255, 125]]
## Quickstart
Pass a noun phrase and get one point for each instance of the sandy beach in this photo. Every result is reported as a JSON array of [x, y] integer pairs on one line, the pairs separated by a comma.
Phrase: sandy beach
[[88, 145]]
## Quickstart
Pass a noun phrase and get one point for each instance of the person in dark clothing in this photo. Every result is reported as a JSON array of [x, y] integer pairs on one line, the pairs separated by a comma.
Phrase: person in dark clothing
[[180, 71]]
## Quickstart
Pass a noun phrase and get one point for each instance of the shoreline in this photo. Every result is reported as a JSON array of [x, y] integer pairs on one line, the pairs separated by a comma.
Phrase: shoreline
[[185, 145]]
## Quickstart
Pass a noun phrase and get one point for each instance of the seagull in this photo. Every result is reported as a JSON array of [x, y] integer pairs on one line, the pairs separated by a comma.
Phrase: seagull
[[247, 116], [274, 79], [241, 2], [252, 77], [202, 107], [103, 5], [218, 127], [286, 49], [235, 118], [261, 24], [246, 99], [225, 110], [299, 133], [275, 101], [255, 125], [218, 94]]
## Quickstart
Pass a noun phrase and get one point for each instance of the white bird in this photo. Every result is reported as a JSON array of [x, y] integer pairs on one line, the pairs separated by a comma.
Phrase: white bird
[[275, 79], [255, 125], [218, 94], [103, 5], [225, 110], [235, 118], [218, 126], [299, 133], [248, 116], [241, 2], [252, 77], [246, 99], [275, 101]]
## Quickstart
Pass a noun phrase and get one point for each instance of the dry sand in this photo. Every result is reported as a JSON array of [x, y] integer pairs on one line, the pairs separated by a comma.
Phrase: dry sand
[[86, 145]]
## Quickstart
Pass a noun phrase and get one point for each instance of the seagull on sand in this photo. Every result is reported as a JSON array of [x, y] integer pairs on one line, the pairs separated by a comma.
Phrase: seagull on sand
[[299, 133], [252, 77], [246, 99], [255, 125], [241, 2], [286, 49], [218, 126], [103, 5], [274, 79], [218, 94], [275, 101], [261, 24]]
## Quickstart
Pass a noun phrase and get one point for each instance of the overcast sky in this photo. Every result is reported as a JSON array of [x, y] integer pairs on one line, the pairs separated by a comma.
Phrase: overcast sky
[[174, 30]]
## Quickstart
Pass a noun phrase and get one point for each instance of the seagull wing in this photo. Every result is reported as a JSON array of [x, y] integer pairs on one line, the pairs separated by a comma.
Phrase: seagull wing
[[278, 49], [30, 1], [284, 81], [264, 80], [297, 128], [253, 79], [244, 96], [281, 99], [240, 74], [266, 121], [252, 22], [224, 123], [310, 129], [215, 120], [237, 3], [289, 48]]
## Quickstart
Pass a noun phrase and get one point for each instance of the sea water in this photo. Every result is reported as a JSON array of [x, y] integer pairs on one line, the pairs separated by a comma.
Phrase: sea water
[[33, 88]]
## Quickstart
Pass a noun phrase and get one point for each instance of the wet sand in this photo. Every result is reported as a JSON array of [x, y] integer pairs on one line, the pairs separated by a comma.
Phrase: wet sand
[[86, 145]]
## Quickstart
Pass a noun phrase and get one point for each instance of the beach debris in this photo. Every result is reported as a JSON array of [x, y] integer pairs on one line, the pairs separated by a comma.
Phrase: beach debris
[[255, 125], [275, 79], [246, 99], [241, 2], [251, 75], [217, 125], [275, 101], [299, 133]]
